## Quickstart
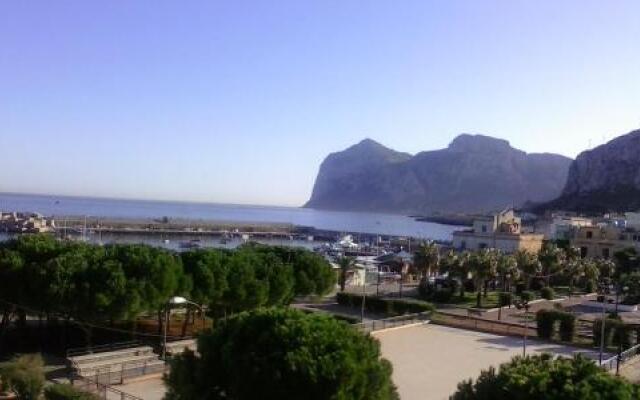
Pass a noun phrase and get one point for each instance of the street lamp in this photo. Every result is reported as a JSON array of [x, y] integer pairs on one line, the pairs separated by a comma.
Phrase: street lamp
[[603, 290], [174, 301], [524, 304]]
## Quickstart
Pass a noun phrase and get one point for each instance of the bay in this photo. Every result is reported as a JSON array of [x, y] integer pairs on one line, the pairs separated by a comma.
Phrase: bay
[[340, 221]]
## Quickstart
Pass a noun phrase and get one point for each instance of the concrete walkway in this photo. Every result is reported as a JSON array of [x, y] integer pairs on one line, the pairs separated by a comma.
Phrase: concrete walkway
[[429, 360]]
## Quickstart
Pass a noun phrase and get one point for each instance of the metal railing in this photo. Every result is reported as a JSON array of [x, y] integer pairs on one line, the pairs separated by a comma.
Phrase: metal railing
[[386, 323], [80, 351], [103, 390]]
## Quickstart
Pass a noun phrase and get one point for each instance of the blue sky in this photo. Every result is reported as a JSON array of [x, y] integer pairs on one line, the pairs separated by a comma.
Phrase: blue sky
[[239, 101]]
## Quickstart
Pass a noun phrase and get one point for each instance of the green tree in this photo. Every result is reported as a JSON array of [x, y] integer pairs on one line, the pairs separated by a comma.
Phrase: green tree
[[483, 265], [507, 269], [457, 266], [282, 354], [25, 375], [552, 259], [543, 377], [528, 264], [346, 265], [427, 258]]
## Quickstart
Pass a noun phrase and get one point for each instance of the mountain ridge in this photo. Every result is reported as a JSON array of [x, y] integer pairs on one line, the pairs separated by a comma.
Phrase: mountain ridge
[[475, 173]]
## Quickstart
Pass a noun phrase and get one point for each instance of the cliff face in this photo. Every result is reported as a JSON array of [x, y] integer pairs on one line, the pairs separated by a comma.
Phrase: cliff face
[[606, 178], [474, 174]]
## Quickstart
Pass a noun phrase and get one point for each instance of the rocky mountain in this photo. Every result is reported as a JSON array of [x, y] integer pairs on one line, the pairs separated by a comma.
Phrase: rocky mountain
[[474, 174], [606, 178]]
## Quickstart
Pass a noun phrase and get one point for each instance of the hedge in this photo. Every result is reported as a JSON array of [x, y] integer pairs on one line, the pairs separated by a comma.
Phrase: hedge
[[546, 321], [67, 392], [616, 333], [527, 295], [383, 305], [505, 299], [547, 293]]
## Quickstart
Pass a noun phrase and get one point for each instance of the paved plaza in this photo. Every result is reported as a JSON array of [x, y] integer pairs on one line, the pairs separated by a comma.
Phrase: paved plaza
[[429, 360], [147, 389]]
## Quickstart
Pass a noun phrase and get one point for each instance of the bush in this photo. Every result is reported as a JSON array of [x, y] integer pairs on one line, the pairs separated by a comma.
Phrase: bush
[[520, 287], [547, 293], [442, 295], [67, 392], [567, 327], [527, 295], [25, 376], [544, 377], [621, 335], [590, 287], [383, 305], [545, 320], [469, 285], [505, 299], [597, 332], [537, 284]]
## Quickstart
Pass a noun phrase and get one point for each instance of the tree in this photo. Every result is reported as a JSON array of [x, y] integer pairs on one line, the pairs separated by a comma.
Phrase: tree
[[627, 261], [507, 268], [483, 265], [67, 392], [457, 266], [282, 354], [528, 264], [427, 258], [543, 377], [552, 259], [346, 264]]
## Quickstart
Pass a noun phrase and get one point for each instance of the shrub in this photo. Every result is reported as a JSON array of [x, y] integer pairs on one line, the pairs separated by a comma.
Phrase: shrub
[[520, 287], [621, 335], [545, 377], [547, 293], [469, 285], [545, 320], [527, 295], [590, 287], [67, 392], [597, 331], [567, 327], [505, 299], [537, 284], [383, 305], [25, 376]]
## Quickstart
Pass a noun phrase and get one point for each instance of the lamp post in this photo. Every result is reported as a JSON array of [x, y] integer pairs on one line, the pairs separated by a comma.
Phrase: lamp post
[[603, 289], [520, 305], [173, 301]]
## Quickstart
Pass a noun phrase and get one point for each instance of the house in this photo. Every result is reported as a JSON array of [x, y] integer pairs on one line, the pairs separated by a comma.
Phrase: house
[[603, 241], [563, 226], [502, 231]]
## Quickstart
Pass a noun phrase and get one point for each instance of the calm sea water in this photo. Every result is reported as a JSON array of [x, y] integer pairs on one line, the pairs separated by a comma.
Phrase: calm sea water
[[384, 224]]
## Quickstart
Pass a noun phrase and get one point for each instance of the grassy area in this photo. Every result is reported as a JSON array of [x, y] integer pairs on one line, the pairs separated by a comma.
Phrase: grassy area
[[470, 300]]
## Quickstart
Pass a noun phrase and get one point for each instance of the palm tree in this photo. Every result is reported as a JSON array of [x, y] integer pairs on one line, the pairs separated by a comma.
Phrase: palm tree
[[346, 264], [457, 266], [483, 268], [427, 258], [528, 264], [552, 258], [507, 270]]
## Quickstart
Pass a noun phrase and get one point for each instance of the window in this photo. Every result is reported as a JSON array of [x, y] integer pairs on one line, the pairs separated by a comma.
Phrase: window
[[589, 234], [463, 245], [482, 246], [484, 229], [605, 253]]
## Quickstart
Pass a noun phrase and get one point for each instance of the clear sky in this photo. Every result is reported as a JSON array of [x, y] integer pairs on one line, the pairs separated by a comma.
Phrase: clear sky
[[239, 101]]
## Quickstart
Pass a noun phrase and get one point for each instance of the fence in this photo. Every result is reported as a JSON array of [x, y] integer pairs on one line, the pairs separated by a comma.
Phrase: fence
[[80, 351], [102, 390], [386, 323], [483, 325], [612, 362]]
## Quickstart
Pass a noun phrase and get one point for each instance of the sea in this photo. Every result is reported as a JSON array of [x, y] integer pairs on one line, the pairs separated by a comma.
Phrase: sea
[[340, 221]]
